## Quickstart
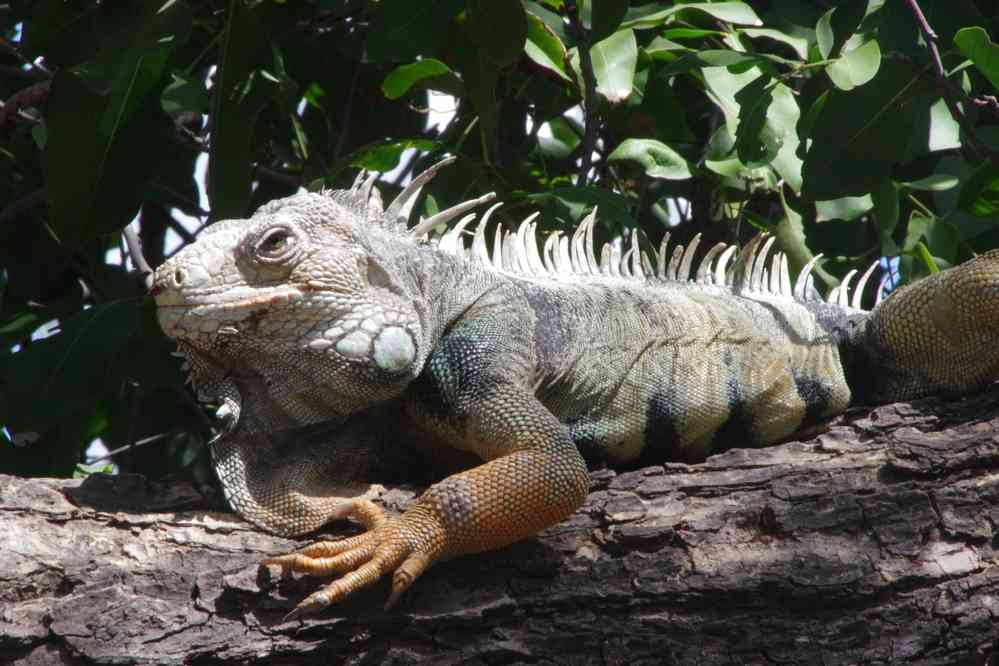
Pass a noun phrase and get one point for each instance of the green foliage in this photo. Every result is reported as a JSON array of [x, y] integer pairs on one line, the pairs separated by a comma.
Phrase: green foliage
[[825, 123]]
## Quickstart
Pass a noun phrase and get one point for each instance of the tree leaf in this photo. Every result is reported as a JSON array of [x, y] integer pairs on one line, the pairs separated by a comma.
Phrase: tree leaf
[[614, 62], [856, 67], [560, 139], [545, 48], [498, 28], [42, 379], [480, 75], [601, 17], [691, 33], [976, 46], [656, 158], [403, 30], [242, 91], [101, 124], [798, 44], [574, 203], [824, 37], [937, 182], [783, 116], [402, 78], [722, 87], [654, 15], [860, 135], [756, 141], [843, 208], [980, 194], [885, 198], [790, 233], [384, 156], [184, 95]]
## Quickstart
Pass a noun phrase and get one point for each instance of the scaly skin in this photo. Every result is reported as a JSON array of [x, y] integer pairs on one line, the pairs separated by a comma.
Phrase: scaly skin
[[337, 344]]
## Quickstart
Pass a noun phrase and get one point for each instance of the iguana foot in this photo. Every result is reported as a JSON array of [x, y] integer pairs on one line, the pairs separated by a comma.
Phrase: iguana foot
[[405, 546]]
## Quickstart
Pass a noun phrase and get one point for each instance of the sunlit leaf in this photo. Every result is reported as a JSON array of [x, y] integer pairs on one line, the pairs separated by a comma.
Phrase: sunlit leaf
[[856, 67], [824, 37], [654, 15], [798, 44], [976, 46], [544, 47], [656, 158], [402, 78], [614, 61], [936, 182]]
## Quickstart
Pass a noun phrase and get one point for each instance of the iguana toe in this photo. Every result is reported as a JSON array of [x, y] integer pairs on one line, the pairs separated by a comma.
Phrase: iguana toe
[[328, 557], [398, 546]]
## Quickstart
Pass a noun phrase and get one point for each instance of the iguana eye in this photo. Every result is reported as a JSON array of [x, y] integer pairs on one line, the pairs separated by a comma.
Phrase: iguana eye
[[274, 245]]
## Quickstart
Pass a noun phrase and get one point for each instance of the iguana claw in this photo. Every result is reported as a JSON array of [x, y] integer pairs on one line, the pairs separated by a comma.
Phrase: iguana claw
[[394, 546]]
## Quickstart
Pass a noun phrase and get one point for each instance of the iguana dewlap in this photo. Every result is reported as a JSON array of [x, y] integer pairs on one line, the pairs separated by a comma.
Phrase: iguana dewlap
[[337, 342]]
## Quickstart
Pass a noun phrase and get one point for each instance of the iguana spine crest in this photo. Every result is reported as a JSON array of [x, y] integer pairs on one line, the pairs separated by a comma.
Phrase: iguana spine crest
[[743, 271]]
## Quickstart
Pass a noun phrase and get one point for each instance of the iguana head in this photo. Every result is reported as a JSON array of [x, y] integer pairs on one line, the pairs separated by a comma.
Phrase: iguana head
[[307, 311], [291, 305]]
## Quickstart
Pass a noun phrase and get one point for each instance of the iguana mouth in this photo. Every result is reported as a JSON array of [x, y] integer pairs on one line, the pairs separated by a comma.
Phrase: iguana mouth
[[179, 315], [257, 301]]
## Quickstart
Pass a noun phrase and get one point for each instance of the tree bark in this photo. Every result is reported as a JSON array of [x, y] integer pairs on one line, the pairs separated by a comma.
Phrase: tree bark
[[874, 542]]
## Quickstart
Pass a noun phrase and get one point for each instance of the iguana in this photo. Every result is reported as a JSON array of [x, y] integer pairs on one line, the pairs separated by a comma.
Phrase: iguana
[[340, 344]]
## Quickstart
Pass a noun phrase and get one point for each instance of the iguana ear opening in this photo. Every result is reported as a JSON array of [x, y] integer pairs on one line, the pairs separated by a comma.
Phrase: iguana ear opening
[[377, 275]]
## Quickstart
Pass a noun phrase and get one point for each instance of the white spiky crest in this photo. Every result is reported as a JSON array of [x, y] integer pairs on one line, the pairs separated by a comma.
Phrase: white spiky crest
[[743, 270]]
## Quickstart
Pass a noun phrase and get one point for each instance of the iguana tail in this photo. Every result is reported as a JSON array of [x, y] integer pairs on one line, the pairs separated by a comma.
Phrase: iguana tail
[[937, 335]]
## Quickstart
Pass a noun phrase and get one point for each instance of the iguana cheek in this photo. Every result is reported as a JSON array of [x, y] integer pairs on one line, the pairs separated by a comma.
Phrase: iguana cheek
[[354, 345], [392, 350]]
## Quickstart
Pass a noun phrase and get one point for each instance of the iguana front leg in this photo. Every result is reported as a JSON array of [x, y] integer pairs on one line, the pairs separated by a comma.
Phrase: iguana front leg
[[534, 477]]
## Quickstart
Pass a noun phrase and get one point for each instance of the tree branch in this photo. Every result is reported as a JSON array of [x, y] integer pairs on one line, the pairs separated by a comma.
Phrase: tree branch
[[875, 542], [979, 147]]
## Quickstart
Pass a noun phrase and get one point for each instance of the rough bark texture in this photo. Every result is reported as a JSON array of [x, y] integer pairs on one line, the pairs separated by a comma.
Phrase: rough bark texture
[[875, 542]]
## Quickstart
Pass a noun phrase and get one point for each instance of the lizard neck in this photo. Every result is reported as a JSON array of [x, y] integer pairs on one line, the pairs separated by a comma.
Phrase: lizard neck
[[442, 287]]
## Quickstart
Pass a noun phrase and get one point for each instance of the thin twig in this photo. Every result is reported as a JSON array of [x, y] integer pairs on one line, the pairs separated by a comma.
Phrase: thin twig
[[32, 73], [7, 47], [589, 93], [988, 102], [135, 252], [190, 206], [21, 113], [127, 447], [180, 230], [979, 147], [294, 180]]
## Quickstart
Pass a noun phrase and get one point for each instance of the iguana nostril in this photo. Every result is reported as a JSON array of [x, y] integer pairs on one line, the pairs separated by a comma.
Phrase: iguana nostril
[[179, 276]]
